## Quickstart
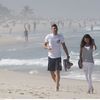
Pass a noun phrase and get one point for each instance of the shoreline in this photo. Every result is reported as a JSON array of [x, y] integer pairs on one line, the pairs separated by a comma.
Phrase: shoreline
[[16, 85]]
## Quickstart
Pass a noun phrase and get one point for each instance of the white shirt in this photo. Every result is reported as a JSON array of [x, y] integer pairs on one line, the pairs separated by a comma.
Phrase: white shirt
[[54, 42], [87, 47]]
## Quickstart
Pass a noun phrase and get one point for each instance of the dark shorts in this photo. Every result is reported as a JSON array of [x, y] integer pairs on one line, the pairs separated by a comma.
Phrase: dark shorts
[[54, 64]]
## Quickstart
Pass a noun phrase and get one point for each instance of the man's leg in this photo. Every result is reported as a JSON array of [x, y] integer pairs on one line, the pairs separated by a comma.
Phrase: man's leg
[[57, 79], [53, 75]]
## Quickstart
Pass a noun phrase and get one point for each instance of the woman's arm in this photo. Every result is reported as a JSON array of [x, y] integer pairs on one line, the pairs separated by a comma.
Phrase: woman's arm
[[80, 54], [94, 45]]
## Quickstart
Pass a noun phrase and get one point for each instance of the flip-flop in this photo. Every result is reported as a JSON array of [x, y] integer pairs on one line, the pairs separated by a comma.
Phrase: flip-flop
[[67, 64]]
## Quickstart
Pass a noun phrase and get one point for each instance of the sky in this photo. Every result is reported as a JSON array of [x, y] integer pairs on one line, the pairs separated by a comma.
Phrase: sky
[[58, 8]]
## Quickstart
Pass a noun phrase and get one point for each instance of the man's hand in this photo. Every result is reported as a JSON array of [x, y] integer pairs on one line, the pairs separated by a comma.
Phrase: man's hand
[[49, 48], [46, 46]]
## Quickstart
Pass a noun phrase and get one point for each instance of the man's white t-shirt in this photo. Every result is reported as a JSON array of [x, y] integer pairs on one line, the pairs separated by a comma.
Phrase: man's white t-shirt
[[54, 42]]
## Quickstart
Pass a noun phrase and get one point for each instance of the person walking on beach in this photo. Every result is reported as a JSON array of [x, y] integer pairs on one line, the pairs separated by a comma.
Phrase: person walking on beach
[[26, 34], [53, 42], [87, 47]]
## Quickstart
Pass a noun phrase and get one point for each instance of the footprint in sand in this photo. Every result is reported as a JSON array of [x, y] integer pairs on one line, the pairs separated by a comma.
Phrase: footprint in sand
[[30, 92], [21, 93], [38, 95], [2, 83], [9, 91], [41, 97]]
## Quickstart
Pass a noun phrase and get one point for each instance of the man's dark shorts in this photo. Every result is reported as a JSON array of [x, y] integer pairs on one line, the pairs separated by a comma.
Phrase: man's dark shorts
[[54, 64]]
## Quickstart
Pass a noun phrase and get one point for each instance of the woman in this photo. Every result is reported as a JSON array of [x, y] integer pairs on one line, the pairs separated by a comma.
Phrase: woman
[[86, 56]]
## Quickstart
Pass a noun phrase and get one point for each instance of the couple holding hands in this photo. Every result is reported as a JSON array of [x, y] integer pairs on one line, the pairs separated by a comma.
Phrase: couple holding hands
[[53, 43]]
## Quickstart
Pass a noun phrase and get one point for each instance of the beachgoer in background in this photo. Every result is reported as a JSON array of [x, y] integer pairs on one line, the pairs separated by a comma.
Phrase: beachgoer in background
[[26, 34]]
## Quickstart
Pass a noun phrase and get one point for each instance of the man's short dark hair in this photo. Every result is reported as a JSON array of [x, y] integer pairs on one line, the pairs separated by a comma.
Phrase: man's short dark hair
[[54, 25]]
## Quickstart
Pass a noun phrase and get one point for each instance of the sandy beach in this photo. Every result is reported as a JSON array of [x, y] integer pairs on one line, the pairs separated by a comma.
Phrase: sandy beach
[[24, 27], [16, 85]]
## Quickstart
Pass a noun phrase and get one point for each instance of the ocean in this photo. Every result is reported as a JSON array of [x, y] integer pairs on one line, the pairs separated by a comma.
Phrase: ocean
[[30, 57]]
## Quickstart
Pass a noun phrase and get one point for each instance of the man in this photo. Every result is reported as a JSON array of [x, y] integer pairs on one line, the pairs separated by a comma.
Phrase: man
[[53, 43]]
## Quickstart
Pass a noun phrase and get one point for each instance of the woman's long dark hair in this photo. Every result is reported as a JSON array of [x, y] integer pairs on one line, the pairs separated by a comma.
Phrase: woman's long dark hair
[[83, 43]]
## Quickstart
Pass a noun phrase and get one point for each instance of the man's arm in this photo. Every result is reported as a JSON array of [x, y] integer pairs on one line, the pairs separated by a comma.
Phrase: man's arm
[[45, 45], [66, 50]]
